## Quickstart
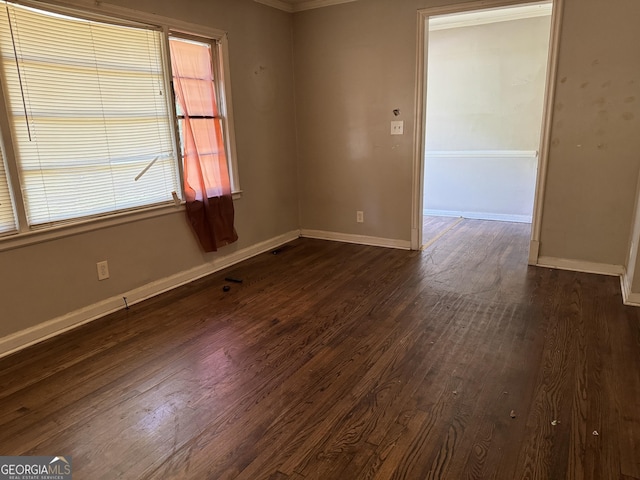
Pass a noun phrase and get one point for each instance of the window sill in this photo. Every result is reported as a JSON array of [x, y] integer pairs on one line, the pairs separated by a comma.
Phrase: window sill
[[19, 240], [24, 239]]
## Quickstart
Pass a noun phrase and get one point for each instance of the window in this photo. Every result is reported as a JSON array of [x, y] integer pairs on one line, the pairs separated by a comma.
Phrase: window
[[91, 117], [198, 109]]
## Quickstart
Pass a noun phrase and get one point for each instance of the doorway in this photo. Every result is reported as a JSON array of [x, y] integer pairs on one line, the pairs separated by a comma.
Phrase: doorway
[[482, 88]]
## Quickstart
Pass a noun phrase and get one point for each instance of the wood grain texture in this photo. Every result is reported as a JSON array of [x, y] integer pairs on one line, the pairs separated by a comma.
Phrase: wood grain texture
[[340, 361], [434, 226]]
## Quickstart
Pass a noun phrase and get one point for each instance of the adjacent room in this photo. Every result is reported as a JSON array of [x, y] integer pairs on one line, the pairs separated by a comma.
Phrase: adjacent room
[[211, 256], [486, 77]]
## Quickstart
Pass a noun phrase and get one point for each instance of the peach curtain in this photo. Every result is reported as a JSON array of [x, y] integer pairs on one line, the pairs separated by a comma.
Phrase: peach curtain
[[206, 174]]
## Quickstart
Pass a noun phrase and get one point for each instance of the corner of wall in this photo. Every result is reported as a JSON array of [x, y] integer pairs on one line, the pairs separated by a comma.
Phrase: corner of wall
[[628, 296], [534, 252]]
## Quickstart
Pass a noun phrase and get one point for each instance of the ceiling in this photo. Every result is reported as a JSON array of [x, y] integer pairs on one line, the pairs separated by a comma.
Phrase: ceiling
[[300, 5], [492, 15], [531, 10]]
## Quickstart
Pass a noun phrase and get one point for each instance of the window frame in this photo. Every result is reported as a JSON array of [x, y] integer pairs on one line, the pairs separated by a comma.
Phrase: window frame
[[219, 62], [26, 234]]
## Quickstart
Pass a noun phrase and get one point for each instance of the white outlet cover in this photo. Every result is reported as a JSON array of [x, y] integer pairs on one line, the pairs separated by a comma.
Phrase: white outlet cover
[[103, 270], [397, 127]]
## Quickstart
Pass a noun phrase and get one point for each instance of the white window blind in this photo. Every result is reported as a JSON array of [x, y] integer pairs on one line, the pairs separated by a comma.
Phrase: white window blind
[[7, 218], [90, 119]]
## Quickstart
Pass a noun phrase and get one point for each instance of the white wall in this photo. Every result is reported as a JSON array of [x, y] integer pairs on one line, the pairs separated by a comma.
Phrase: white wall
[[485, 93], [490, 184]]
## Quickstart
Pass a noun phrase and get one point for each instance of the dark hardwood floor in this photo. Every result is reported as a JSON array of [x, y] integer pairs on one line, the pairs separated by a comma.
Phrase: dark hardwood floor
[[340, 361]]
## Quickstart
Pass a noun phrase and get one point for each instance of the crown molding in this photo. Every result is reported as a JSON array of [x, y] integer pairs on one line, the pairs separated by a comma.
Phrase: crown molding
[[279, 4], [483, 17], [311, 4], [299, 7]]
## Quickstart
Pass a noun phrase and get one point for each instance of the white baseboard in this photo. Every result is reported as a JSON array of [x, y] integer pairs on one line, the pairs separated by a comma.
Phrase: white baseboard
[[360, 239], [24, 338], [581, 266], [501, 217]]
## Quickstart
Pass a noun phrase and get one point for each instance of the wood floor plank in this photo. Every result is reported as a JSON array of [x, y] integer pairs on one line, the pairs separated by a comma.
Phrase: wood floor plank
[[344, 361], [627, 390]]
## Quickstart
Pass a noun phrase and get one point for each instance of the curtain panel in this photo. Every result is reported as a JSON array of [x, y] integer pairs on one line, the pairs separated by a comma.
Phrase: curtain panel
[[206, 173]]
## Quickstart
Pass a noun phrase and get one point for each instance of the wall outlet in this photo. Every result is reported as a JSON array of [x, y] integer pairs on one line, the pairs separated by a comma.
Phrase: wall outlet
[[103, 270], [359, 216], [397, 127]]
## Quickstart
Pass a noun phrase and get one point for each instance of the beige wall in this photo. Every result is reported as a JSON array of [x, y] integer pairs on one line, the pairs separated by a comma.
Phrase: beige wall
[[355, 62], [47, 280], [595, 149]]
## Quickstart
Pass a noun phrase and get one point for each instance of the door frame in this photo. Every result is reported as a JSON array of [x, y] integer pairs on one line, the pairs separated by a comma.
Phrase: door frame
[[421, 113]]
